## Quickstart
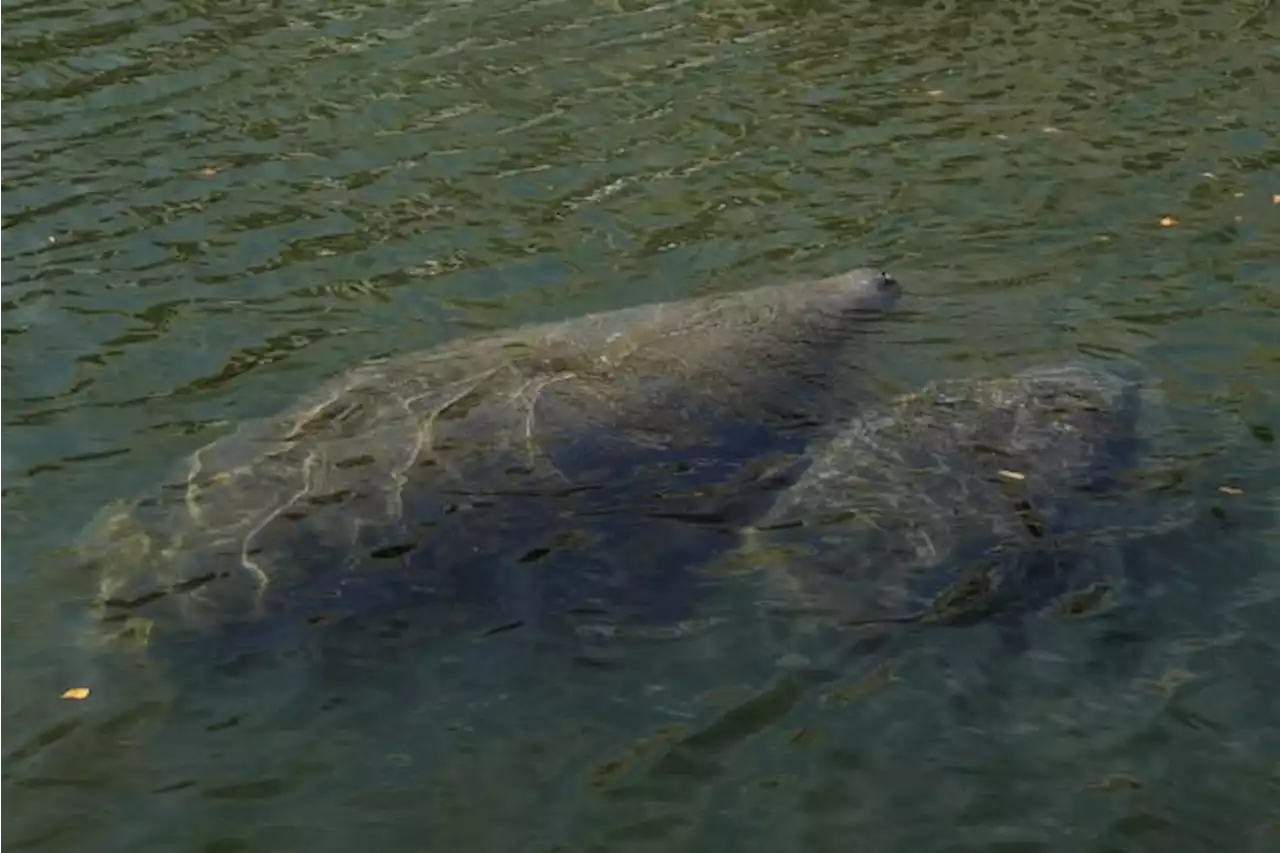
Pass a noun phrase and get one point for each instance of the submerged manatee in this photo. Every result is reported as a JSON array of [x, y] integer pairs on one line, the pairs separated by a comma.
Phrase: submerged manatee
[[957, 499], [518, 473]]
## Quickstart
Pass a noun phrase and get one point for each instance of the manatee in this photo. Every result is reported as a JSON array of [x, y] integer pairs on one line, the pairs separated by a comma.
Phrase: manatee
[[566, 467], [963, 499]]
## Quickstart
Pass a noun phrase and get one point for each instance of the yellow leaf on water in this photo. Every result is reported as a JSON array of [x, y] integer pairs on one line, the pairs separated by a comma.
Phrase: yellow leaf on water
[[1230, 490], [76, 693], [1168, 221], [1011, 475]]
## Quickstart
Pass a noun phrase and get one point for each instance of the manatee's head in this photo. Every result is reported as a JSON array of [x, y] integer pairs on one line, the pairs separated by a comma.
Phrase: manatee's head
[[830, 303], [821, 312], [862, 289]]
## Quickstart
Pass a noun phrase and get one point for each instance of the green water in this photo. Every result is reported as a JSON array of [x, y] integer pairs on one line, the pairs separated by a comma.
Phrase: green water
[[210, 206]]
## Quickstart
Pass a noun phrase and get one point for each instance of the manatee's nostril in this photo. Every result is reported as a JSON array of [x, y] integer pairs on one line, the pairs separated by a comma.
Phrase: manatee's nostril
[[887, 281]]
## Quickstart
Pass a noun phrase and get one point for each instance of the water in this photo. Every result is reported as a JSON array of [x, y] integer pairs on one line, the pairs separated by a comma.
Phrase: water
[[210, 207]]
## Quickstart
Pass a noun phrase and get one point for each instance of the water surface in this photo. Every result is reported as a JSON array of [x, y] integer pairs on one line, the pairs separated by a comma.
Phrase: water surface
[[210, 207]]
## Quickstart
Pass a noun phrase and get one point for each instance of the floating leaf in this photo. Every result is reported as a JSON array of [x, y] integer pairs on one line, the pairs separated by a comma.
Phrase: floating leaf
[[1230, 490], [1011, 475], [1168, 221], [76, 693]]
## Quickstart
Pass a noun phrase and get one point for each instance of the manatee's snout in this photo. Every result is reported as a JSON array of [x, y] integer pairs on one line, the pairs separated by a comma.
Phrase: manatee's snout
[[870, 289], [885, 283]]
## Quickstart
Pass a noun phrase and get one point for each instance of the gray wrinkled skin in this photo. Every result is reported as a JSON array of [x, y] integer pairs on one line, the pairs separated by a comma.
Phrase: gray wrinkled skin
[[945, 500], [448, 472]]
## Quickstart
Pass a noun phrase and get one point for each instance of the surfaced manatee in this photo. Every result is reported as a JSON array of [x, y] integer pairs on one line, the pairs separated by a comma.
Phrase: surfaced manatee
[[562, 467], [957, 500]]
